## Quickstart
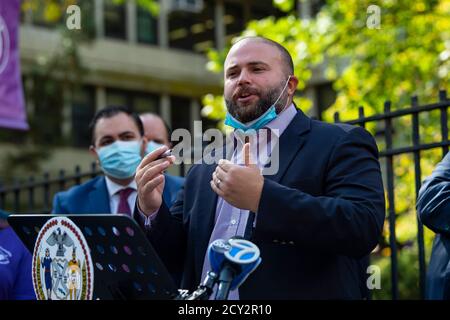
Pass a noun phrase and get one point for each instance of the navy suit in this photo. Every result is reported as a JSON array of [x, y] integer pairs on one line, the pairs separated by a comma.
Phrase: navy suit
[[172, 185], [92, 196], [433, 207], [319, 217]]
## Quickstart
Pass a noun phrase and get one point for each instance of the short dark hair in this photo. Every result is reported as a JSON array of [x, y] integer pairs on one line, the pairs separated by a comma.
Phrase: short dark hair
[[285, 55], [110, 112]]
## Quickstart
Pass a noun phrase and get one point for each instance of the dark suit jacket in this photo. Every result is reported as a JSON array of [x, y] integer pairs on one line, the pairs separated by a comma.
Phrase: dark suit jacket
[[433, 207], [319, 217], [92, 196], [172, 185]]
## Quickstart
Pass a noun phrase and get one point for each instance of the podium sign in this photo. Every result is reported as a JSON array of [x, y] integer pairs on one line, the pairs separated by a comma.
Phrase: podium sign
[[92, 256], [62, 265]]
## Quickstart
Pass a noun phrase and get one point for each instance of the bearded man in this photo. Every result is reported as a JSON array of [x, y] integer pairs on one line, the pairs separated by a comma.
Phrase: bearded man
[[315, 219]]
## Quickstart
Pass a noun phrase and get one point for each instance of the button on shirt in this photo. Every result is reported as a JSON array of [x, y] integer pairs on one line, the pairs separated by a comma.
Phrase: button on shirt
[[231, 221], [114, 197]]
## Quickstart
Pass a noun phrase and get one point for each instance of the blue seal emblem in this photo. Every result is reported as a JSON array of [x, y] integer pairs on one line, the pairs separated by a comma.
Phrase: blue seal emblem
[[62, 264]]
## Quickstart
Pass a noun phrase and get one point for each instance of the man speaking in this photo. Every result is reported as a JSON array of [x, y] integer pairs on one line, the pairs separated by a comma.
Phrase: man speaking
[[315, 220]]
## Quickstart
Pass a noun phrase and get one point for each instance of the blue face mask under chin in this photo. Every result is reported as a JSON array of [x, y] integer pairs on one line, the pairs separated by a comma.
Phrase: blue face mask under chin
[[259, 122], [120, 159]]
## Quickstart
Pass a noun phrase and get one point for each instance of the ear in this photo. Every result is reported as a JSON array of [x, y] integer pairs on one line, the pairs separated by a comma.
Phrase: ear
[[94, 153], [292, 85], [144, 146]]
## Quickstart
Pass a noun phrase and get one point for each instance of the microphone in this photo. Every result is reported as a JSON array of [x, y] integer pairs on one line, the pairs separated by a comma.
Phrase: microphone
[[216, 254], [233, 260]]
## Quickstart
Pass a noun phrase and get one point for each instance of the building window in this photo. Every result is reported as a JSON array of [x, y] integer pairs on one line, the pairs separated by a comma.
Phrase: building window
[[42, 18], [47, 95], [263, 9], [139, 102], [181, 112], [83, 110], [117, 98], [115, 20], [208, 123], [87, 17], [143, 103], [187, 5], [192, 31], [233, 20], [23, 15], [147, 27]]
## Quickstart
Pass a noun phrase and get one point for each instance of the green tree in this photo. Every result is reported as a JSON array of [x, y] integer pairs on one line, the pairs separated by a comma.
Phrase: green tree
[[407, 54]]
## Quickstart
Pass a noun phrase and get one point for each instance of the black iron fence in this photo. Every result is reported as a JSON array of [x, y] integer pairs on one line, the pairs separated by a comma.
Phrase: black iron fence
[[390, 152], [35, 195]]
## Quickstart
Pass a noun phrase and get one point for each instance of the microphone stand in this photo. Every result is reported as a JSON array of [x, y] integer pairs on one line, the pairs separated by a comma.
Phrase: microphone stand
[[203, 291], [225, 278]]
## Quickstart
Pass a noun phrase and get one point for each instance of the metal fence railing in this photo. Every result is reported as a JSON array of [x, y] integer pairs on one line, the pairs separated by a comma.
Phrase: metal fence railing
[[390, 152]]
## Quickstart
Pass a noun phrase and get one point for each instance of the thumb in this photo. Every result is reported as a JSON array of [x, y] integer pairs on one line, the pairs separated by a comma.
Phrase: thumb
[[249, 160]]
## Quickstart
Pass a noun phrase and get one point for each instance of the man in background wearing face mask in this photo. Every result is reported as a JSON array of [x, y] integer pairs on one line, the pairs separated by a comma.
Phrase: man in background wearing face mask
[[315, 220], [157, 133], [118, 145]]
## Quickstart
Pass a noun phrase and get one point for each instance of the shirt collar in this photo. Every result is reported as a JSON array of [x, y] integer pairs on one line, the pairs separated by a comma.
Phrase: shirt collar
[[113, 187], [280, 123]]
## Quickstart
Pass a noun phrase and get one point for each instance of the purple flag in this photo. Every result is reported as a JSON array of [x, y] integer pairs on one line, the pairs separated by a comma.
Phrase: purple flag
[[12, 106]]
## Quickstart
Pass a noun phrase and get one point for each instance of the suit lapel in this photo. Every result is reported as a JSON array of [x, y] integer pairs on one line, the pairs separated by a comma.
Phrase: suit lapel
[[99, 197], [290, 142]]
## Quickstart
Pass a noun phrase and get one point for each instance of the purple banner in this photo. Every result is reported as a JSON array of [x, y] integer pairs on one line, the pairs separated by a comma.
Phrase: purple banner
[[12, 106]]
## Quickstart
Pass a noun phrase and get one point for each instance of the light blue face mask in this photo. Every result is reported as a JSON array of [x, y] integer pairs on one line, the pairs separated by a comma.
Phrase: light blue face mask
[[152, 146], [120, 159], [259, 122]]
